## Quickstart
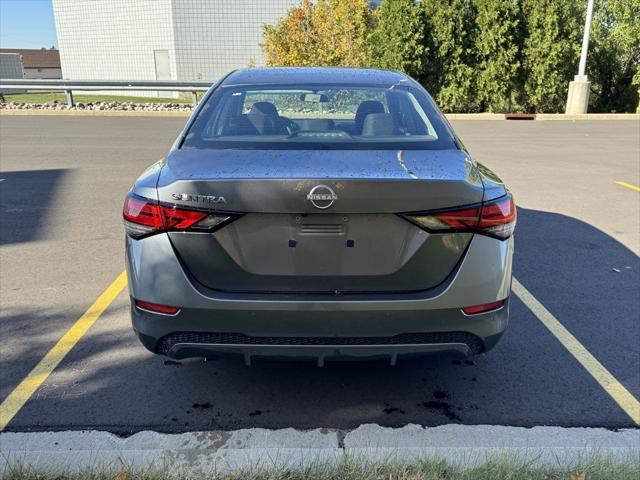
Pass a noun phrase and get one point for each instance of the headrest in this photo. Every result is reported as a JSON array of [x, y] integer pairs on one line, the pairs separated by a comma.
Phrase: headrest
[[264, 108], [367, 107], [378, 124]]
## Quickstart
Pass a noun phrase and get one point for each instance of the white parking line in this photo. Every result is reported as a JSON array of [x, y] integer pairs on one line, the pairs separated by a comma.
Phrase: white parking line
[[611, 385]]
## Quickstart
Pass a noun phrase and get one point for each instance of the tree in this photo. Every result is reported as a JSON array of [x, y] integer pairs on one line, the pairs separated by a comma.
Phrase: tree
[[342, 27], [397, 43], [614, 56], [321, 33], [291, 41], [473, 55], [449, 72], [551, 51], [498, 45]]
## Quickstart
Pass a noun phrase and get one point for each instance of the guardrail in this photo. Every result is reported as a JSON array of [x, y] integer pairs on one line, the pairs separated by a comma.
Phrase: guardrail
[[68, 86]]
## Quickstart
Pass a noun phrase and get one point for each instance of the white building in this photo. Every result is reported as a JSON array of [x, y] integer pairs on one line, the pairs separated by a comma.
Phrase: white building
[[161, 39]]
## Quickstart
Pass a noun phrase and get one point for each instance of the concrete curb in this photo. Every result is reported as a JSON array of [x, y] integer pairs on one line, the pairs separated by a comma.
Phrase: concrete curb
[[473, 445], [450, 116], [546, 116], [474, 116], [588, 116], [207, 452]]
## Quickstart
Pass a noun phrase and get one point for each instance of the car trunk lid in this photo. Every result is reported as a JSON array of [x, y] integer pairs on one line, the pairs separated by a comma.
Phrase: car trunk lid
[[285, 243]]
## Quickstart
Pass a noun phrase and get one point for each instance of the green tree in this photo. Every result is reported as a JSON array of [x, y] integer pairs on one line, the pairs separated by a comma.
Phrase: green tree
[[498, 44], [449, 72], [342, 28], [291, 41], [551, 51], [320, 33], [614, 56], [397, 43]]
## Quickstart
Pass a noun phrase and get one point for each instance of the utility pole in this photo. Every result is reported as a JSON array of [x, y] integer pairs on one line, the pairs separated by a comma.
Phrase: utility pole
[[578, 96]]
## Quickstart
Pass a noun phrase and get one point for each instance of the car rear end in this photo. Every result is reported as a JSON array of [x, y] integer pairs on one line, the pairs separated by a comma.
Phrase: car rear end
[[314, 235]]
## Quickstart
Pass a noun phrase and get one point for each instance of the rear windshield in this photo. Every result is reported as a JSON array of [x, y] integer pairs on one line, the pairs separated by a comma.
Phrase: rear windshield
[[319, 117]]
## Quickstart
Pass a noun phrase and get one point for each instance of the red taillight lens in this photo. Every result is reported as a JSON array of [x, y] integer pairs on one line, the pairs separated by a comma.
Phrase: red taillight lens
[[144, 217], [496, 218], [141, 217], [156, 307], [487, 307], [465, 219], [179, 219]]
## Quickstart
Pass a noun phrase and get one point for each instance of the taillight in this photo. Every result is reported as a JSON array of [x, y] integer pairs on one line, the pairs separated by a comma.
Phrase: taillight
[[496, 218], [143, 217]]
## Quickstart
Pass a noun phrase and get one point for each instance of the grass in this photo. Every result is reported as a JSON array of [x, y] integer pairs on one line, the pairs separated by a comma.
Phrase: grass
[[40, 98], [350, 469]]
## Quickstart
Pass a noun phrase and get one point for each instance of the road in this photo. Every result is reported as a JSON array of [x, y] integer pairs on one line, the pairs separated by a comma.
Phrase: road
[[61, 246]]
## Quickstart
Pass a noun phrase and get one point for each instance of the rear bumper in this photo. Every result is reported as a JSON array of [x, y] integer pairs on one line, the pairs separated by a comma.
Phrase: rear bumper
[[320, 326], [482, 333]]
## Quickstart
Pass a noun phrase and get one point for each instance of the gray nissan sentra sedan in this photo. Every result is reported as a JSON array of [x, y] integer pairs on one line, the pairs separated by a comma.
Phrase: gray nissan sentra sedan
[[321, 213]]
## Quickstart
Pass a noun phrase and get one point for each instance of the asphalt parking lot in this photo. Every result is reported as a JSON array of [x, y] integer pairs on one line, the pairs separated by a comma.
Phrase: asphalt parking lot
[[62, 183]]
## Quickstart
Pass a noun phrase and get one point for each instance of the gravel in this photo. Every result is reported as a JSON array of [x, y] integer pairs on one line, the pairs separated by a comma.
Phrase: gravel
[[112, 106]]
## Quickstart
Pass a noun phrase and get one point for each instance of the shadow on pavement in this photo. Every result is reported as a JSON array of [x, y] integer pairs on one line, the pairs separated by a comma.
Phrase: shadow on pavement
[[589, 281], [26, 199]]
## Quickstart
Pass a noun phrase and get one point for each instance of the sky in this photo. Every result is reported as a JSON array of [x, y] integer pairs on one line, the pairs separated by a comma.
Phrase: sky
[[27, 24]]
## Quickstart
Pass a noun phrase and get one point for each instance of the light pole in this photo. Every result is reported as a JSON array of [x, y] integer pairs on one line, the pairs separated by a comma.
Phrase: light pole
[[578, 96]]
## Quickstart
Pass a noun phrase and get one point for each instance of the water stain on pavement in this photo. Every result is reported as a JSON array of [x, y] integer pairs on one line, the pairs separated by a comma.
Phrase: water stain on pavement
[[390, 409], [257, 412], [439, 394], [460, 362], [440, 405], [443, 407]]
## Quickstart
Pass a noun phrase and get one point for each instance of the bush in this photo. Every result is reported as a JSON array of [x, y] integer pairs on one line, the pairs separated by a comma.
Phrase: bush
[[398, 43], [473, 55], [450, 57], [553, 36]]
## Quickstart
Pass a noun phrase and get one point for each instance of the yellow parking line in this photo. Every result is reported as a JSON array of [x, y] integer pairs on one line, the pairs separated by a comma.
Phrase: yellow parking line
[[19, 396], [612, 386], [628, 185]]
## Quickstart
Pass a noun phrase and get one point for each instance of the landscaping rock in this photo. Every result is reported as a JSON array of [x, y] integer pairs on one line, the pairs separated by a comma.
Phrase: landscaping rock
[[115, 106]]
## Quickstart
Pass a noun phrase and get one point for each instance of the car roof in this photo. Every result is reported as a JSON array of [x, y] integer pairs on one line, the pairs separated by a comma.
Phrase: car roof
[[313, 75]]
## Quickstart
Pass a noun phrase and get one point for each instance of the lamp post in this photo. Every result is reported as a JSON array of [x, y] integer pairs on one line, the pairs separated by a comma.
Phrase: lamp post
[[578, 96]]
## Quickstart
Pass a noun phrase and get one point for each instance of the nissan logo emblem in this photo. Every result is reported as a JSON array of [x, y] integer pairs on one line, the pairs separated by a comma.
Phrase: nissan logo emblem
[[322, 196]]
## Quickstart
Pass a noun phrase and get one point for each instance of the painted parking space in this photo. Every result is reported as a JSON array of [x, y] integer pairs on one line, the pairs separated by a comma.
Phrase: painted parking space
[[69, 385], [577, 243], [600, 374], [61, 204], [14, 402], [108, 381], [628, 185]]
